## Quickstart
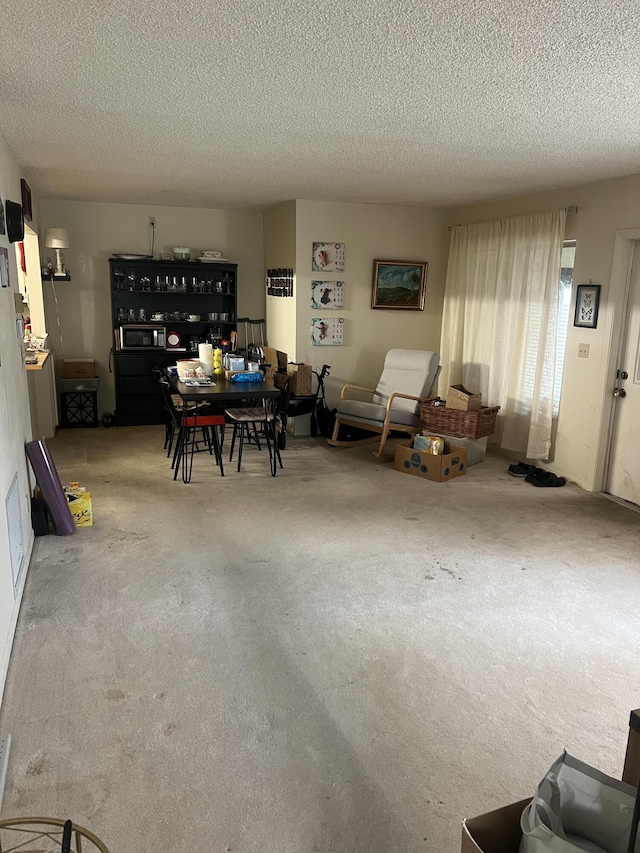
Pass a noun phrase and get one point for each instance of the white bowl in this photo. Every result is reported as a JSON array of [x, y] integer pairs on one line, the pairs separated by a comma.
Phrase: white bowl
[[207, 254], [187, 367]]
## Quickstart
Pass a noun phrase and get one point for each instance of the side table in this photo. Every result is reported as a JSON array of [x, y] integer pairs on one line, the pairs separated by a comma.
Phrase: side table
[[79, 408]]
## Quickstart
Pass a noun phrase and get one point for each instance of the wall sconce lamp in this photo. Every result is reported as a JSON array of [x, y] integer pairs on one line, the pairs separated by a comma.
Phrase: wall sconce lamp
[[57, 238]]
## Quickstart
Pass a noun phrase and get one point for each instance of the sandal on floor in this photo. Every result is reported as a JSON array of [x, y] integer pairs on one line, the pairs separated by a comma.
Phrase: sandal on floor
[[521, 469], [548, 479]]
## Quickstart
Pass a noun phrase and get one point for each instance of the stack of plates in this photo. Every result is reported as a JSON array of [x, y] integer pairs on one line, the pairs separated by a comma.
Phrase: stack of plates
[[214, 260], [128, 257]]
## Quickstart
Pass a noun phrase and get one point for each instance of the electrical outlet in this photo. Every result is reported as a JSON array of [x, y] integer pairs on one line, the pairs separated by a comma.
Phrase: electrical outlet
[[583, 350], [152, 222]]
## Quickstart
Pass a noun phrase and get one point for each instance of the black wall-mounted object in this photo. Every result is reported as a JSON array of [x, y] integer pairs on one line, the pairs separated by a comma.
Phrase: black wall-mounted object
[[15, 221]]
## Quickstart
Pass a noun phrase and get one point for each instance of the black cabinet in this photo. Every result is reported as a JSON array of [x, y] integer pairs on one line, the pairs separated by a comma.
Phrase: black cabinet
[[138, 399], [195, 302]]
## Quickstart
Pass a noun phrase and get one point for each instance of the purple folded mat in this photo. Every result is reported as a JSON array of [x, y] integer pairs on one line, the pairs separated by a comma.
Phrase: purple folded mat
[[52, 491]]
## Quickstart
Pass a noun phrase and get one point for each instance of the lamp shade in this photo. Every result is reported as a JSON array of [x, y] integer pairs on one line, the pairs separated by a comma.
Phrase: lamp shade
[[56, 238]]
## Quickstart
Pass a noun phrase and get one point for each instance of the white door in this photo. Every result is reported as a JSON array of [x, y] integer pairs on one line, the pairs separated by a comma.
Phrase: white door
[[624, 469]]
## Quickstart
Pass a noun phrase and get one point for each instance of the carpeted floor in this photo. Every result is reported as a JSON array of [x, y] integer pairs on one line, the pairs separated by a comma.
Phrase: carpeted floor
[[343, 658]]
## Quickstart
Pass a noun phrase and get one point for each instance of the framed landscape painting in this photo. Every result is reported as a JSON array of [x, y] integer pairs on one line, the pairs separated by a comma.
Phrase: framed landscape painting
[[399, 284]]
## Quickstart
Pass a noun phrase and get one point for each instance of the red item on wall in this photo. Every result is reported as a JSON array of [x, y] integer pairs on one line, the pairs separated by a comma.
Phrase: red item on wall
[[23, 260]]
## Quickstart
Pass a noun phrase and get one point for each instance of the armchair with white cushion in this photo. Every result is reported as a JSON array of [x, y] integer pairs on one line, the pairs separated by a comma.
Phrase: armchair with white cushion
[[408, 378]]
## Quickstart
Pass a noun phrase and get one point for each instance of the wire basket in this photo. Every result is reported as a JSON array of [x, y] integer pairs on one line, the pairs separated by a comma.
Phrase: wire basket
[[436, 417], [47, 835]]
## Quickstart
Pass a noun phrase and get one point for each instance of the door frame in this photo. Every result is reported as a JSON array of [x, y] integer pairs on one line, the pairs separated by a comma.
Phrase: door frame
[[619, 283]]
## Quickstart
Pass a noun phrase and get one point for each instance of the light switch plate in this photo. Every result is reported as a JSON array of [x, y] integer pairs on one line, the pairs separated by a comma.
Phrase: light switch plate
[[583, 350], [19, 302]]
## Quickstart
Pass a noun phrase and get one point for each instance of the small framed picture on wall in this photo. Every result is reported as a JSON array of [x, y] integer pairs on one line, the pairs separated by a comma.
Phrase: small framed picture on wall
[[327, 331], [327, 294], [587, 306], [327, 257], [26, 199]]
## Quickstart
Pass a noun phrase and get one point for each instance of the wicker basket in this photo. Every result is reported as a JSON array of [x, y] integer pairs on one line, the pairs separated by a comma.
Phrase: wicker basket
[[437, 418]]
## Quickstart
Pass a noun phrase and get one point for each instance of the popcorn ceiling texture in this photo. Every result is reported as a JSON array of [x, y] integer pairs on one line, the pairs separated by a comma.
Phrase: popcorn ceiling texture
[[255, 101]]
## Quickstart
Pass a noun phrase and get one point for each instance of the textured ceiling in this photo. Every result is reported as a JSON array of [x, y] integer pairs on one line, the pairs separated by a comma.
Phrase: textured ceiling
[[250, 102]]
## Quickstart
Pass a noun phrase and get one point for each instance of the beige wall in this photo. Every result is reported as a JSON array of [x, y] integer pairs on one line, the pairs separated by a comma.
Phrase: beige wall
[[280, 251], [603, 208], [97, 230], [369, 232], [15, 423], [31, 283]]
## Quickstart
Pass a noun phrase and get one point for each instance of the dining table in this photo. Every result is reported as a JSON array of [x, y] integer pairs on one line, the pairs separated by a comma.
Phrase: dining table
[[222, 393]]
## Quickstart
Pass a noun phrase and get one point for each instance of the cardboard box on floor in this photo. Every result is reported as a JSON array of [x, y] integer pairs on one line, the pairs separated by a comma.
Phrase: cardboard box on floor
[[494, 832], [464, 399], [476, 447], [440, 469], [79, 368], [631, 772], [499, 831]]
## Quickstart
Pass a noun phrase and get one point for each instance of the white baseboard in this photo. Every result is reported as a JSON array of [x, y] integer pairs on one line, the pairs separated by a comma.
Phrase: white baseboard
[[8, 640], [5, 749]]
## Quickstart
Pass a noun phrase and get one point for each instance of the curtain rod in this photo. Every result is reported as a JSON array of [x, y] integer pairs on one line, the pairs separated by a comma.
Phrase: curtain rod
[[571, 209]]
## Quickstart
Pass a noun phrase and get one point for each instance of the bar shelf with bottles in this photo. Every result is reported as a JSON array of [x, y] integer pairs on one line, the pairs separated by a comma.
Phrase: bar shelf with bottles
[[193, 301], [280, 282]]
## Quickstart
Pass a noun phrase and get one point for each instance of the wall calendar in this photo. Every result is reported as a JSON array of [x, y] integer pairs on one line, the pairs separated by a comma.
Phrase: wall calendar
[[327, 331]]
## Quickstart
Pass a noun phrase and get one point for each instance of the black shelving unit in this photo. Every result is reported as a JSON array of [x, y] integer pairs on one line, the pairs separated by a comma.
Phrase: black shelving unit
[[170, 288]]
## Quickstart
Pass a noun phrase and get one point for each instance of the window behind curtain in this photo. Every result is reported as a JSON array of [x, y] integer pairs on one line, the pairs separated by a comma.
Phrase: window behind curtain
[[500, 321], [564, 307], [562, 324]]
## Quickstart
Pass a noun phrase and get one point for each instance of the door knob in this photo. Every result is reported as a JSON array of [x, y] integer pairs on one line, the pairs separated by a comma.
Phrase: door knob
[[619, 392], [622, 374]]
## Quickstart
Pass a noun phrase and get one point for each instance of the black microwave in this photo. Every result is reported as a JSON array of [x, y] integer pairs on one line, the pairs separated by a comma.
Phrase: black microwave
[[143, 337]]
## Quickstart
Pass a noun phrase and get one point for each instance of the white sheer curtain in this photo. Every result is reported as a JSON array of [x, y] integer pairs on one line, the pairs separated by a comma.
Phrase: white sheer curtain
[[499, 322]]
